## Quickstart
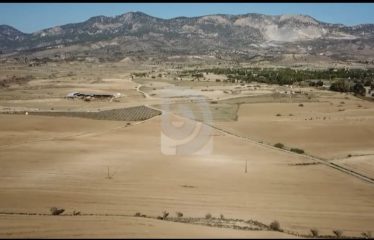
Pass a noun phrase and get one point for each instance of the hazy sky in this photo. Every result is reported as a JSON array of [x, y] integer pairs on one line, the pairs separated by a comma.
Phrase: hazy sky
[[30, 17]]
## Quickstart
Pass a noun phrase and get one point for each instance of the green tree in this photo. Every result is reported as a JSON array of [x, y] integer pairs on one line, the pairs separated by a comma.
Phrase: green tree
[[340, 86], [359, 89]]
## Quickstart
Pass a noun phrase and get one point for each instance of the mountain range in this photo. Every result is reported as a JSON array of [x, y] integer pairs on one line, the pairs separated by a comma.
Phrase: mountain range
[[246, 35]]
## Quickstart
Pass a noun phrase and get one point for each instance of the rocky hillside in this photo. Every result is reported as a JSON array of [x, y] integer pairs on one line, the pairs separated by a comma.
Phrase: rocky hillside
[[138, 33]]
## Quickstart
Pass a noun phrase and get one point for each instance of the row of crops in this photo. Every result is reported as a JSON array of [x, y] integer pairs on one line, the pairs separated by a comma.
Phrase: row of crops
[[138, 113]]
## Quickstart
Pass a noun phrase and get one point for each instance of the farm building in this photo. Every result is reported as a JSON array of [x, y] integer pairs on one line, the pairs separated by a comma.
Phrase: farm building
[[92, 95]]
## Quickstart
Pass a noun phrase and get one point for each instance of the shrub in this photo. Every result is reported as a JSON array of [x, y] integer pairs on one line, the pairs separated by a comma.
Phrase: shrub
[[221, 216], [275, 226], [314, 232], [297, 150], [301, 105], [56, 211], [367, 83], [366, 235], [165, 214], [338, 233], [278, 115], [76, 213], [340, 86], [179, 214], [359, 89], [279, 145], [138, 214], [208, 216]]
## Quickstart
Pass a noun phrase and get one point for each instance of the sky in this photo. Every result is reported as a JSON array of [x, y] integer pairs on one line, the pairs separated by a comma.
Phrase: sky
[[31, 17]]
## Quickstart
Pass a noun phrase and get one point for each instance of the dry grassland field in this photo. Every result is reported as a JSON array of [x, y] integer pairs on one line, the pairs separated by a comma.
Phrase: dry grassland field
[[102, 159]]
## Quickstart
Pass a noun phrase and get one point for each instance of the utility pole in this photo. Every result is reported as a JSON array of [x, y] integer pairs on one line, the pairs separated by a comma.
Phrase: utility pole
[[108, 175]]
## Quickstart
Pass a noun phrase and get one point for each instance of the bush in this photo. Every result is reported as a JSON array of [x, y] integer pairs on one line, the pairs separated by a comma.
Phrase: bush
[[221, 216], [359, 89], [297, 150], [179, 214], [76, 213], [165, 214], [279, 145], [301, 105], [278, 115], [314, 232], [366, 235], [367, 83], [275, 226], [208, 216], [338, 233], [138, 214], [56, 211], [340, 86]]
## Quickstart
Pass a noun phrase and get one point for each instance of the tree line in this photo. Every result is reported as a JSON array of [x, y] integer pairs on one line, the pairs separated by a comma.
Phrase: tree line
[[342, 79]]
